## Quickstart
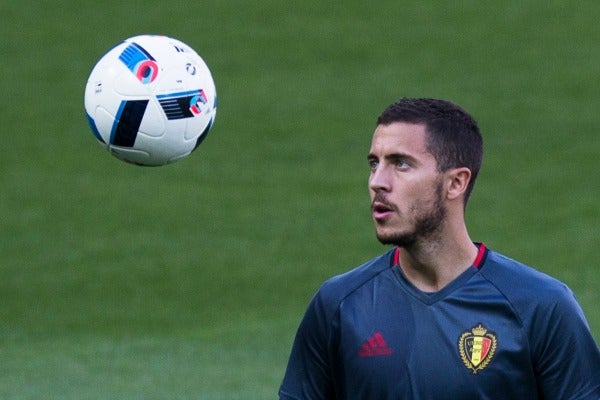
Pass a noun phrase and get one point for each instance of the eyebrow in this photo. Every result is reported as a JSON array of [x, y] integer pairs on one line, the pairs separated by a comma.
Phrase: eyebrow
[[393, 157]]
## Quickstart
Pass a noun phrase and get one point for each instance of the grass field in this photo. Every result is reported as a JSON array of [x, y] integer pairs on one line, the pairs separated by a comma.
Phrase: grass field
[[188, 281]]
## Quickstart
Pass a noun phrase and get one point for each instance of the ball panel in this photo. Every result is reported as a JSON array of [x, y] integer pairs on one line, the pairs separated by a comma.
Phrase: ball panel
[[127, 122], [104, 120], [94, 128], [154, 123], [133, 156], [203, 135]]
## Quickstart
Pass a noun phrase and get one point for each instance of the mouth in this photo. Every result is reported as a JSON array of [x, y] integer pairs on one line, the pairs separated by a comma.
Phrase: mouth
[[381, 210]]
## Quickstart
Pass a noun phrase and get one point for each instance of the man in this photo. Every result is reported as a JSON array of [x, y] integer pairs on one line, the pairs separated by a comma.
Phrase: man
[[438, 316]]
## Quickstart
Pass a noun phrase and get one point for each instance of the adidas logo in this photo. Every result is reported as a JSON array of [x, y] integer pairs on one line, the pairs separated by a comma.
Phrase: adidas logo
[[375, 346]]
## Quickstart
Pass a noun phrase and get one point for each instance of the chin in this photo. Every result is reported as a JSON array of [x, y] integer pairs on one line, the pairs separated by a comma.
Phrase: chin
[[395, 238]]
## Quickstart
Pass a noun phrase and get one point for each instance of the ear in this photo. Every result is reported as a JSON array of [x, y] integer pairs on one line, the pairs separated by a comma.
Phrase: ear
[[458, 179]]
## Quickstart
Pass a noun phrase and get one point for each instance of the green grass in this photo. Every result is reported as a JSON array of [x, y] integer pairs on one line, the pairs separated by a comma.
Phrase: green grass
[[188, 281]]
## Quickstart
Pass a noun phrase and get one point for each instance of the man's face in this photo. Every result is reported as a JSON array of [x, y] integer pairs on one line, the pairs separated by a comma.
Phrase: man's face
[[404, 184]]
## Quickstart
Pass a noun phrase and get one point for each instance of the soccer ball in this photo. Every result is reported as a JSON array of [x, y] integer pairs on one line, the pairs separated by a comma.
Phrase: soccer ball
[[150, 100]]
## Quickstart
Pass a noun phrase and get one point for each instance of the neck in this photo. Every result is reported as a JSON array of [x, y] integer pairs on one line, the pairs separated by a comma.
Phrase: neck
[[430, 265]]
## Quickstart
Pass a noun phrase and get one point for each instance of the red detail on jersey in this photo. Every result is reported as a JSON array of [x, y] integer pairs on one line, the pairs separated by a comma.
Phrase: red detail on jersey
[[375, 346], [480, 255]]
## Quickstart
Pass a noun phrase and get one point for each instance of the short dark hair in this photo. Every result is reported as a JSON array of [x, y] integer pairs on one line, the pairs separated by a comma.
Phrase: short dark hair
[[453, 136]]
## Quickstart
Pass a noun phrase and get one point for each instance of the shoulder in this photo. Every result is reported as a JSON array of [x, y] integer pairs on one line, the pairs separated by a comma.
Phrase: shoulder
[[341, 286], [317, 322], [564, 353], [515, 279], [346, 283], [537, 298]]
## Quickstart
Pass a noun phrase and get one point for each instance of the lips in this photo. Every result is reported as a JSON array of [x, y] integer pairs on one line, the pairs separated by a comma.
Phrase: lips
[[381, 209]]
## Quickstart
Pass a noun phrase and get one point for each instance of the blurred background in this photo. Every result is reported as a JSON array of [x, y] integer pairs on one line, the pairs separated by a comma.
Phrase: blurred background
[[188, 281]]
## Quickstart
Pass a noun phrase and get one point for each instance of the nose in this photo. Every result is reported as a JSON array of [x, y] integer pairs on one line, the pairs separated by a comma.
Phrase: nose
[[379, 180]]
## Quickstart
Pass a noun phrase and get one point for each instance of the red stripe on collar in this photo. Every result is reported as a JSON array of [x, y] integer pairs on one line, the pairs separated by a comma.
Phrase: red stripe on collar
[[481, 253]]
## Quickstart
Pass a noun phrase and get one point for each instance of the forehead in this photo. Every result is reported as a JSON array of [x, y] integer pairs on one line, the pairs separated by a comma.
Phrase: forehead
[[400, 137]]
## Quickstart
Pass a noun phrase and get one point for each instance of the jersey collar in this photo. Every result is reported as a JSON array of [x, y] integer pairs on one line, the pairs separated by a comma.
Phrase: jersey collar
[[482, 252]]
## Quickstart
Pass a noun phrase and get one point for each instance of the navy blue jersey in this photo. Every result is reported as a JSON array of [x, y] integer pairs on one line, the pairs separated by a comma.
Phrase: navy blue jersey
[[501, 330]]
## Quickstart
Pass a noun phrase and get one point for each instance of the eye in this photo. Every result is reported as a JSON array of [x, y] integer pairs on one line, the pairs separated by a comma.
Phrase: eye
[[373, 164], [401, 163]]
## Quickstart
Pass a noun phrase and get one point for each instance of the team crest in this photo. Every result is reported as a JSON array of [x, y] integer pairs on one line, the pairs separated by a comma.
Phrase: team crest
[[477, 348]]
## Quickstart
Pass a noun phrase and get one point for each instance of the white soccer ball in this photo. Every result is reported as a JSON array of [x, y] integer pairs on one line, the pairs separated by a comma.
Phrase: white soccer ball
[[150, 100]]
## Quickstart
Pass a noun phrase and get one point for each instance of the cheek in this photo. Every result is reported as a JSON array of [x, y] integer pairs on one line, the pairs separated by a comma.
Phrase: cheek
[[415, 195]]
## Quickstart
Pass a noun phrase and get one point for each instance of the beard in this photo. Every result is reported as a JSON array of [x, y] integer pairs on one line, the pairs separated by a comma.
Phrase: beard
[[426, 223]]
